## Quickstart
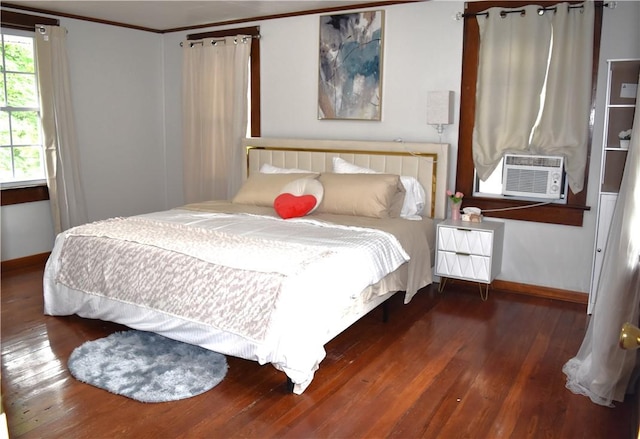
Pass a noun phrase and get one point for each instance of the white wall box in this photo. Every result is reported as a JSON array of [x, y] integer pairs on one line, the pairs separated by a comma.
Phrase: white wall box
[[469, 251], [620, 104]]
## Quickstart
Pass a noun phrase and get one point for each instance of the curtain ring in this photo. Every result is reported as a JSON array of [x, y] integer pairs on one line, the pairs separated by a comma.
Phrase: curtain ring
[[243, 40], [542, 11]]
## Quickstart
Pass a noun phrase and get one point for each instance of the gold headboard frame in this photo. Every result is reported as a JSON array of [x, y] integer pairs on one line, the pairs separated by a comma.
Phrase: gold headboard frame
[[428, 162]]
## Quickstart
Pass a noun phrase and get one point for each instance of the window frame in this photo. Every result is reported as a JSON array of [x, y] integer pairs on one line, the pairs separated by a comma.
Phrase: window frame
[[571, 213], [28, 182], [34, 192]]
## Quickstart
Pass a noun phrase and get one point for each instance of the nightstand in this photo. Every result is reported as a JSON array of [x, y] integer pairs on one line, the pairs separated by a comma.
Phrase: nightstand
[[469, 251]]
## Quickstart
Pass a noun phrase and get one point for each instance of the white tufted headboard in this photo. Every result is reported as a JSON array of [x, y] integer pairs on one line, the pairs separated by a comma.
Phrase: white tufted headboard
[[428, 162]]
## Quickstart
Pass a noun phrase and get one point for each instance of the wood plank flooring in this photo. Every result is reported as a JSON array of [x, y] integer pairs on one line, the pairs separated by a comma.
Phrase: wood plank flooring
[[445, 366]]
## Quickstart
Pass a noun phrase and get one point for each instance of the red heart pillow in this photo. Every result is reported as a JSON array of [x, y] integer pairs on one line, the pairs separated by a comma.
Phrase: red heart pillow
[[291, 206]]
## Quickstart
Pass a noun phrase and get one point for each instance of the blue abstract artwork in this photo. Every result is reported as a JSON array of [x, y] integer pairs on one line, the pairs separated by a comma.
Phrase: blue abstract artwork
[[349, 84]]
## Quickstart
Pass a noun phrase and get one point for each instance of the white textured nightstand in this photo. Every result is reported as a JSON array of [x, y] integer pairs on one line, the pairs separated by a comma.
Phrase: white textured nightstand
[[469, 251]]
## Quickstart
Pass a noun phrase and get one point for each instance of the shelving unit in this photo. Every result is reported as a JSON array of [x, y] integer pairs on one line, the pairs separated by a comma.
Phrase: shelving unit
[[622, 83]]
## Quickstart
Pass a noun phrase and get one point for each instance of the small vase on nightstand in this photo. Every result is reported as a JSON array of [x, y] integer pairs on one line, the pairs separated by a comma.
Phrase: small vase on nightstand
[[455, 212], [624, 143]]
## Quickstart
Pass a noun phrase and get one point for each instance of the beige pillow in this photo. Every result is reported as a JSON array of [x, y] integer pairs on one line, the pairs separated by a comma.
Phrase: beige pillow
[[414, 198], [261, 189], [372, 195]]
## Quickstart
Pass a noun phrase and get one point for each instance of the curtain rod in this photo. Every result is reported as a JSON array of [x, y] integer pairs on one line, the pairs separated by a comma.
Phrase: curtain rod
[[541, 11], [215, 41]]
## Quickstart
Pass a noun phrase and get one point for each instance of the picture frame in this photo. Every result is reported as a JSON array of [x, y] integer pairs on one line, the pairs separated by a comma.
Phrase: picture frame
[[350, 66]]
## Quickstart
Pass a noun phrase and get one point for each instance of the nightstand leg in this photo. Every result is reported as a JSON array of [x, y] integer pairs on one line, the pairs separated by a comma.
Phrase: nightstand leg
[[443, 282], [484, 295]]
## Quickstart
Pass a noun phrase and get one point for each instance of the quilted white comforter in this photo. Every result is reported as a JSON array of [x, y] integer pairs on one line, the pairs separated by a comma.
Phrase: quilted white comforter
[[247, 285]]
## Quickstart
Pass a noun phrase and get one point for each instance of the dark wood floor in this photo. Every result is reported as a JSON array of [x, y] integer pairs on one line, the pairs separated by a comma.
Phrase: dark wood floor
[[444, 366]]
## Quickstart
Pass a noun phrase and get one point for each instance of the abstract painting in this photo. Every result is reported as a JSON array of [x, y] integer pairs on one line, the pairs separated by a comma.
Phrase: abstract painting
[[350, 77]]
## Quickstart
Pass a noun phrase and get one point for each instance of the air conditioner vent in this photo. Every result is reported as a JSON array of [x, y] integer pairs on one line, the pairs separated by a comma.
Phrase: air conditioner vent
[[531, 160], [527, 180], [533, 176]]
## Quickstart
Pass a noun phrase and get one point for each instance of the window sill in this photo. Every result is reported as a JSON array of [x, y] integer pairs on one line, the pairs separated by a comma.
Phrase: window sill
[[565, 214], [20, 195]]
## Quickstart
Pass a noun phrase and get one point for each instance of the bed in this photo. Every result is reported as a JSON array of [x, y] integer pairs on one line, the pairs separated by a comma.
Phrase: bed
[[237, 278]]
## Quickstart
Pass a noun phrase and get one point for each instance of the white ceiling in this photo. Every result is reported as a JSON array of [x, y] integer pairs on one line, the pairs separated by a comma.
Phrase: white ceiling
[[163, 15]]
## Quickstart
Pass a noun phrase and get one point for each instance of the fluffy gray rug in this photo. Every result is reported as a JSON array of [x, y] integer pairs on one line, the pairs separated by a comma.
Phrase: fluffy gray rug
[[147, 367]]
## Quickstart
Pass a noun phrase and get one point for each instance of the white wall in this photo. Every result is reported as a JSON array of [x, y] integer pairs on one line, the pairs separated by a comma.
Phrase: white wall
[[25, 229], [117, 85], [422, 49], [422, 52]]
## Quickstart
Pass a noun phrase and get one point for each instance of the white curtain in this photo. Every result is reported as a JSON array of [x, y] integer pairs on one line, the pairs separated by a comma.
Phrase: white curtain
[[514, 50], [215, 86], [564, 124], [601, 370], [62, 162], [529, 62]]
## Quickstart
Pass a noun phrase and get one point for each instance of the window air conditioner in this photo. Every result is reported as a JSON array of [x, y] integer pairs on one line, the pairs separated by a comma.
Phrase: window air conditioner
[[532, 176]]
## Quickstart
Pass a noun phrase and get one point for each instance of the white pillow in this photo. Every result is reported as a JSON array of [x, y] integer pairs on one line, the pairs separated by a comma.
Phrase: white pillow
[[305, 186], [270, 169], [414, 198]]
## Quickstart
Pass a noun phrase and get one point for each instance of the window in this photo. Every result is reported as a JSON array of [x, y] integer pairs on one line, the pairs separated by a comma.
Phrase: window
[[21, 152], [570, 213]]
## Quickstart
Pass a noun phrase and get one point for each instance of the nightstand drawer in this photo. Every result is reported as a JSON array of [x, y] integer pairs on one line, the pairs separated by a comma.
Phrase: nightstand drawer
[[464, 266], [468, 241]]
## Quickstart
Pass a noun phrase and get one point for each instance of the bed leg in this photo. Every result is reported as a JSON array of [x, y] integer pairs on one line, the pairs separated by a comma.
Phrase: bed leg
[[289, 385], [385, 312]]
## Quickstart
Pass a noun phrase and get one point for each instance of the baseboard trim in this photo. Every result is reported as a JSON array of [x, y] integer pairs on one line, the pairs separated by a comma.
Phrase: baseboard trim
[[539, 291], [28, 261]]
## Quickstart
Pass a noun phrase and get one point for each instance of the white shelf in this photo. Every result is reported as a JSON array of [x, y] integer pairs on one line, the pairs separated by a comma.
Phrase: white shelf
[[618, 116]]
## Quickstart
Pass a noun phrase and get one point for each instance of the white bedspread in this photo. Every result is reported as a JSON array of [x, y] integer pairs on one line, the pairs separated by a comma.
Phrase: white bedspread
[[273, 245], [301, 252]]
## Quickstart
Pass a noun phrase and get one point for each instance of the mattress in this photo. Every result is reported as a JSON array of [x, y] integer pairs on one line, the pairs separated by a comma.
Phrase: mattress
[[307, 321]]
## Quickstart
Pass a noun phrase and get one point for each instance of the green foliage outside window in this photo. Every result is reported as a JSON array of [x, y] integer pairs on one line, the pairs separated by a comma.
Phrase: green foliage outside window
[[20, 139]]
